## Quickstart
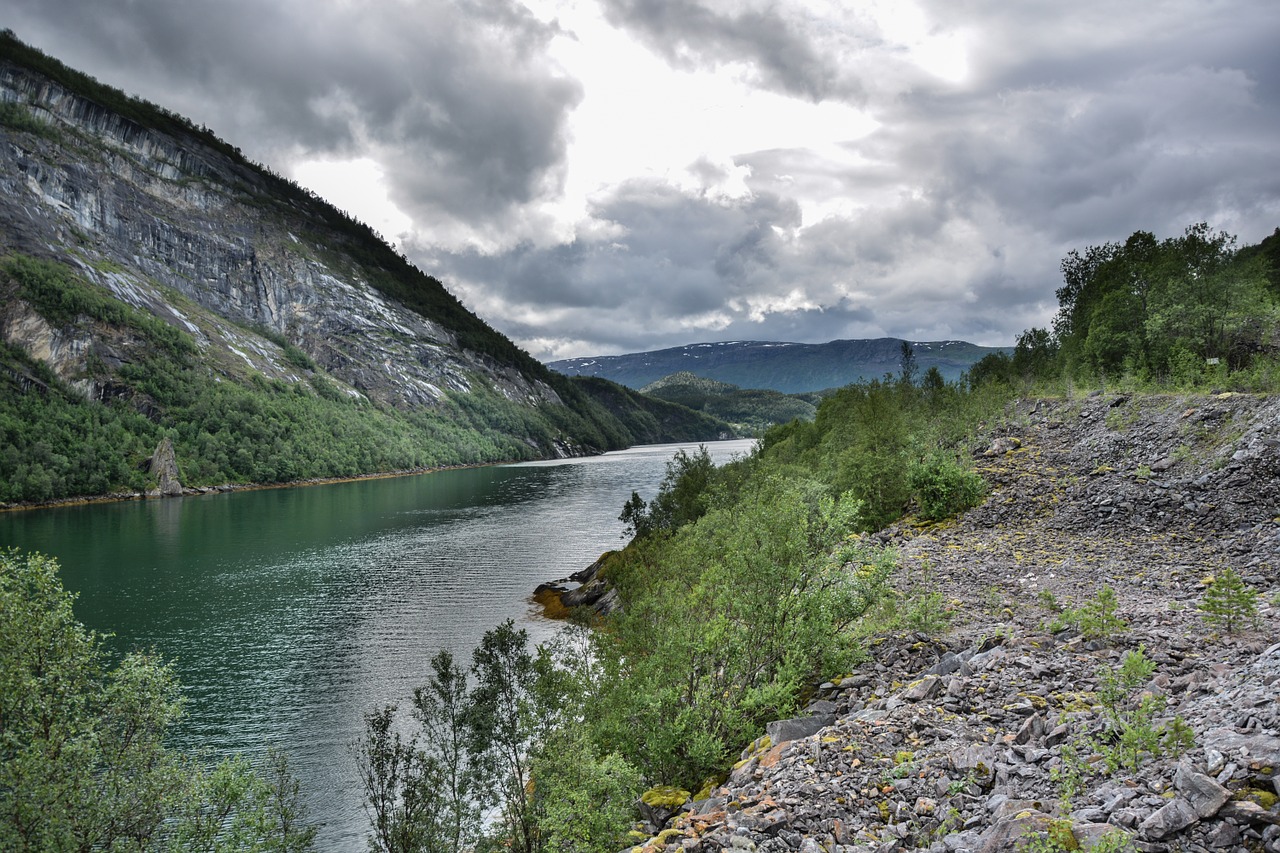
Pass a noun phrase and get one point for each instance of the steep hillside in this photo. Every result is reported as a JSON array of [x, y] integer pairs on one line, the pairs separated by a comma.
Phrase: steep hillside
[[157, 284], [787, 367], [652, 420], [1060, 681]]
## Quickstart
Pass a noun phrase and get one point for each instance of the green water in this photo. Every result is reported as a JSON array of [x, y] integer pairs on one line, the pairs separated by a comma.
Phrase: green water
[[288, 613]]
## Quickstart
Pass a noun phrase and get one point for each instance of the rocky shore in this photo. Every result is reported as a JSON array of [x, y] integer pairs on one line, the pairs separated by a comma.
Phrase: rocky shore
[[1071, 693]]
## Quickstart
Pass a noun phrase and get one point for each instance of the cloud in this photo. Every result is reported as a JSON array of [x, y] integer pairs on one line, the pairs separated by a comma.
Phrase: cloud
[[774, 44], [458, 102], [915, 169]]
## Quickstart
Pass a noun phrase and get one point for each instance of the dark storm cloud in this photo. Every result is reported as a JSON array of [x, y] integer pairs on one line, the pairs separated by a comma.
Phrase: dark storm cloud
[[693, 34], [457, 100], [1065, 125], [672, 265]]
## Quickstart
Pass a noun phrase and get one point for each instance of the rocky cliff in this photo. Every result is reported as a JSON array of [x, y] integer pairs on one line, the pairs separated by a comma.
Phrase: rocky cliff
[[1060, 684], [205, 241], [148, 217]]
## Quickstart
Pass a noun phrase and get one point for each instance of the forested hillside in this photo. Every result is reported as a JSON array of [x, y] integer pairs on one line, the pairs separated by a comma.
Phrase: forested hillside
[[750, 410], [156, 285]]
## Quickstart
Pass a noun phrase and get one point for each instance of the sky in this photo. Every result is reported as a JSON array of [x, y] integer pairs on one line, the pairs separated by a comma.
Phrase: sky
[[596, 177]]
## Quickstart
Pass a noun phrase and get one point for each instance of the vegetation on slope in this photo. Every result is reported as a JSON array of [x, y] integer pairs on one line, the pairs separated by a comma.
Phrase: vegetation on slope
[[58, 443], [1185, 312], [745, 585], [361, 246], [149, 380], [650, 418], [751, 411]]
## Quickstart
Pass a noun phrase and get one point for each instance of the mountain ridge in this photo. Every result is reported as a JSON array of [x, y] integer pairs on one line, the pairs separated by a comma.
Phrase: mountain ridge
[[784, 366]]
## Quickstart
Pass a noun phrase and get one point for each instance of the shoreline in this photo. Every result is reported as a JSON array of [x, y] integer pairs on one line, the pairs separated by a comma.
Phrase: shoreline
[[228, 488]]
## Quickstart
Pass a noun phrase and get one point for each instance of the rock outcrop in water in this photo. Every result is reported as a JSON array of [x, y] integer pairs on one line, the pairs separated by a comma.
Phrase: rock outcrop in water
[[163, 468]]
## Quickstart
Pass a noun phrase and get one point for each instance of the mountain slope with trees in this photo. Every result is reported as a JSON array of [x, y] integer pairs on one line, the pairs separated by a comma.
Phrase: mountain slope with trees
[[752, 411], [156, 285]]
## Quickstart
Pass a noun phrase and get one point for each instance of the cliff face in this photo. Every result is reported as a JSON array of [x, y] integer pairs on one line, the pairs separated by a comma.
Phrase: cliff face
[[204, 241]]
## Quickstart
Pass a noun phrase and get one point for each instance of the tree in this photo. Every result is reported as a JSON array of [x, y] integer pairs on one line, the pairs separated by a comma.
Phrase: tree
[[1035, 355], [398, 781], [445, 712], [907, 364], [84, 761], [1214, 301], [502, 725], [683, 497], [1229, 601], [992, 368], [1151, 305]]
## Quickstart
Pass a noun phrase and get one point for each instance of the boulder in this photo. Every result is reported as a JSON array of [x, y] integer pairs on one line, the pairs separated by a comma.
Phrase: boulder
[[781, 731]]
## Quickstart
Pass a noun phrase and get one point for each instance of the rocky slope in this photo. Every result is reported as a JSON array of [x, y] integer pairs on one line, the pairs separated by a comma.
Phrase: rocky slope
[[194, 236], [274, 288], [992, 721]]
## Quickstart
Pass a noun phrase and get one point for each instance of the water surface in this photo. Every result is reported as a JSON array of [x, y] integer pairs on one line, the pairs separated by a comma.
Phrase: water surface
[[288, 613]]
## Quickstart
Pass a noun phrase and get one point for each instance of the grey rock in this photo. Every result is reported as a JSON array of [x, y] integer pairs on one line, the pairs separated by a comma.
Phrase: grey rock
[[783, 731], [1204, 794], [1004, 835], [1174, 816], [163, 468], [926, 688]]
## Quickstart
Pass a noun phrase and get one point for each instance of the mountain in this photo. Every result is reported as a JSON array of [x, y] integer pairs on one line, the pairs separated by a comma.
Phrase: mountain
[[154, 284], [787, 367]]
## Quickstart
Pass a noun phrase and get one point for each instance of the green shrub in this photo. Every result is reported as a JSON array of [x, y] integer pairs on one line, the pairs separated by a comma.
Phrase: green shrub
[[1096, 619], [1229, 602], [943, 488], [87, 764]]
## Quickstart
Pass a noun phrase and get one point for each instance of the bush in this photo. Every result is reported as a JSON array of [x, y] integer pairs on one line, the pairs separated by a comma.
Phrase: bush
[[1229, 602], [86, 764], [943, 488]]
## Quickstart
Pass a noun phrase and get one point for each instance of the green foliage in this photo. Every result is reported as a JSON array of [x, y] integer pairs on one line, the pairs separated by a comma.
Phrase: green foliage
[[1095, 619], [1133, 732], [943, 488], [747, 606], [85, 761], [585, 801], [1229, 602], [19, 117], [56, 443], [1159, 307], [750, 411], [682, 496], [398, 779], [62, 297]]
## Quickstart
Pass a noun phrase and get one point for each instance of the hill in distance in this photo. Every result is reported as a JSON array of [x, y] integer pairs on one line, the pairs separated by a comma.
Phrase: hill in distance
[[791, 368], [749, 411]]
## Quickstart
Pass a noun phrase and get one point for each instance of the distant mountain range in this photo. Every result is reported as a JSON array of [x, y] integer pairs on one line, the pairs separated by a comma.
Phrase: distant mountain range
[[791, 368]]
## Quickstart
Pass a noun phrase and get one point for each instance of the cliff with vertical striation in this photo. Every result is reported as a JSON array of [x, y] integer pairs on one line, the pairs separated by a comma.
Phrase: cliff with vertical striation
[[127, 232]]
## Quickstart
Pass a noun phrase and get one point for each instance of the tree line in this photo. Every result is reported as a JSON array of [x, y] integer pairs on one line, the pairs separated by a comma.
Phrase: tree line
[[1186, 311]]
